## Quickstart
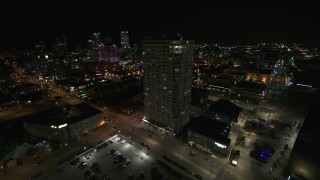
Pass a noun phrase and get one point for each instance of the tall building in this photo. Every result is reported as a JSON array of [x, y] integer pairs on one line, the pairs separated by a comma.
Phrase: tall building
[[96, 37], [44, 66], [108, 53], [167, 82], [124, 40], [304, 159], [93, 44], [59, 47]]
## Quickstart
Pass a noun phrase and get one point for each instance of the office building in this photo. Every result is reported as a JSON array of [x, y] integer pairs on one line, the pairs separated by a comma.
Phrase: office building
[[93, 44], [108, 53], [124, 40], [167, 82], [67, 125], [59, 47]]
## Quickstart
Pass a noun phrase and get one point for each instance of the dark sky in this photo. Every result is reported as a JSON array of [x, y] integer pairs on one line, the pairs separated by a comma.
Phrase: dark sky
[[24, 22]]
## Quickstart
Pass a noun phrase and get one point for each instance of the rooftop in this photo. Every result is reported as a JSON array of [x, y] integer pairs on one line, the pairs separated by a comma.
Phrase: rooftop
[[225, 107], [82, 111], [211, 128], [70, 115], [304, 158]]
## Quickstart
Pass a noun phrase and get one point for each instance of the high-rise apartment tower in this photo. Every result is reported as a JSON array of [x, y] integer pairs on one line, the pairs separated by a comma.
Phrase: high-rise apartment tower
[[124, 40], [167, 82]]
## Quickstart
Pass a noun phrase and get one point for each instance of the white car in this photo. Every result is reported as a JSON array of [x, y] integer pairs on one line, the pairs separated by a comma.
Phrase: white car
[[123, 141]]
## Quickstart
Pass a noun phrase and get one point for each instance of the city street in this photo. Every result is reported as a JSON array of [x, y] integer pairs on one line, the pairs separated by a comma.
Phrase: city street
[[139, 131], [162, 144]]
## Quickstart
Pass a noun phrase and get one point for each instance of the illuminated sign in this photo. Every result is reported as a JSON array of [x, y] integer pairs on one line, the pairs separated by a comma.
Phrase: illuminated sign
[[177, 49], [234, 162], [60, 126], [145, 119], [63, 125], [220, 145], [304, 85]]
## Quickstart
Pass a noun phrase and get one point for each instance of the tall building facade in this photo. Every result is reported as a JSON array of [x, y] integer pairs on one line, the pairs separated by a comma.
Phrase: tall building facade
[[45, 67], [167, 82], [124, 35], [59, 47], [108, 53], [93, 44], [303, 162]]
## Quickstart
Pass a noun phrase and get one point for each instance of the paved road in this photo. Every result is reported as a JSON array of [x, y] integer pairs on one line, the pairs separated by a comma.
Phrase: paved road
[[161, 144]]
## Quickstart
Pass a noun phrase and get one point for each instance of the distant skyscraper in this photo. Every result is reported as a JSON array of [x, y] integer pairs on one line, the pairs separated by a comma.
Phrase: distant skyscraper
[[108, 41], [125, 40], [44, 66], [167, 82], [108, 53], [93, 46], [59, 46], [96, 37]]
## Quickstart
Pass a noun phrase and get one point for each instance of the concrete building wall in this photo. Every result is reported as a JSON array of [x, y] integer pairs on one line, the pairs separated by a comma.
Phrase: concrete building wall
[[167, 82], [207, 144]]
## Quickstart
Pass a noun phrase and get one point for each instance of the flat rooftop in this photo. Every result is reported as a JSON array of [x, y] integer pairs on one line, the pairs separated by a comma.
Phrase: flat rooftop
[[211, 128], [58, 116]]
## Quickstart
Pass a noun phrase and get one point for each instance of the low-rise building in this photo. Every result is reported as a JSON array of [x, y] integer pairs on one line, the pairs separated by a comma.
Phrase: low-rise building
[[224, 110], [209, 135], [221, 85], [68, 124], [238, 73], [250, 89], [260, 75]]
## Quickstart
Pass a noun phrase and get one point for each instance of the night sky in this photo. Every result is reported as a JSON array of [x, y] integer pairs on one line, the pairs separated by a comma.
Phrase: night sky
[[23, 23]]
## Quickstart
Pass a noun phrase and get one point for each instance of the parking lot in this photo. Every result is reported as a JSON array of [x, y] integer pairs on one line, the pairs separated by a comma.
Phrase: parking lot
[[115, 158]]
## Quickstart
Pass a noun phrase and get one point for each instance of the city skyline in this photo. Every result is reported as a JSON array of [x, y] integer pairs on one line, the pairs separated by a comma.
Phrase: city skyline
[[203, 111], [26, 23]]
